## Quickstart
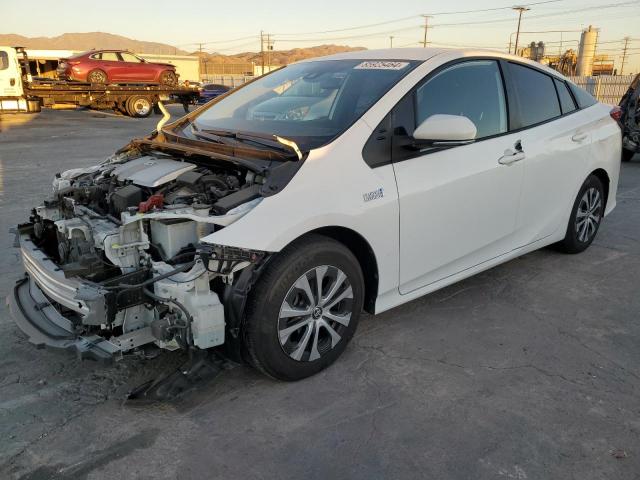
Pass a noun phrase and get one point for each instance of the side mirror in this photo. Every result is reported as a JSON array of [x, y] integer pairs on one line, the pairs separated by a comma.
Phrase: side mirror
[[442, 130]]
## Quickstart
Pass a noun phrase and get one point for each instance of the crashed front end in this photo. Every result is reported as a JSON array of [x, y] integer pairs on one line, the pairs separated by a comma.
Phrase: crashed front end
[[630, 119], [115, 261]]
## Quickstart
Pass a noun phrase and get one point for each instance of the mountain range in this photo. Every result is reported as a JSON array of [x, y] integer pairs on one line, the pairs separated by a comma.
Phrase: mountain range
[[101, 40]]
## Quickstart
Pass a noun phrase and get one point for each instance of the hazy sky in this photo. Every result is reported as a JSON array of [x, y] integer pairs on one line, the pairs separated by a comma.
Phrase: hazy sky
[[229, 26]]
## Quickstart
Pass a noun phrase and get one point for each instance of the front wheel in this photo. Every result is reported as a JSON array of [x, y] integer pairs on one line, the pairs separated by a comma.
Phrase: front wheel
[[168, 78], [304, 310], [586, 215]]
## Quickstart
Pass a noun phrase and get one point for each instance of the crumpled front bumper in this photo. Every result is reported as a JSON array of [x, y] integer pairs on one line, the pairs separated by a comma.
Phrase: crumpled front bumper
[[37, 316], [46, 327]]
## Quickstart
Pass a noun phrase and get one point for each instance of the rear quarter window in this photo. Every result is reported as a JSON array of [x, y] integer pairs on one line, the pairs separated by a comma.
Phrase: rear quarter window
[[566, 100], [584, 98], [536, 95]]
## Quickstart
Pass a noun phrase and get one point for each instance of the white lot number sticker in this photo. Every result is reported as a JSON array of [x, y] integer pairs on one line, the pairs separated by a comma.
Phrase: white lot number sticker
[[381, 65]]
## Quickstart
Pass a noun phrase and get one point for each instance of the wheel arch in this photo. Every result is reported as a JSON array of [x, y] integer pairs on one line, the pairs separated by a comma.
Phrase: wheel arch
[[363, 252], [603, 176]]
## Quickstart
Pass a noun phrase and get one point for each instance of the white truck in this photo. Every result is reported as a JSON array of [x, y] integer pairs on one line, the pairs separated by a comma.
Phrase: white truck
[[21, 92]]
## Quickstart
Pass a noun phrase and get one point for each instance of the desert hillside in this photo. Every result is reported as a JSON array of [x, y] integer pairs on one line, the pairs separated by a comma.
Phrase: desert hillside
[[281, 57], [88, 41], [100, 40]]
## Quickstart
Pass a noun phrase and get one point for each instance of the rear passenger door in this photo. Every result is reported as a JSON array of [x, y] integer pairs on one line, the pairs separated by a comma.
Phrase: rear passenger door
[[110, 63], [555, 139]]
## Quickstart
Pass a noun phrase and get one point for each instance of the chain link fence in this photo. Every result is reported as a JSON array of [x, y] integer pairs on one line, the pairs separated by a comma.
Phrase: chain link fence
[[606, 88], [228, 80]]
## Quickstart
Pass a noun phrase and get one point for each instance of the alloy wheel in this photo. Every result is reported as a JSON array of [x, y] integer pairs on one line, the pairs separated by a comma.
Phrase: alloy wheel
[[315, 313], [97, 76], [589, 214]]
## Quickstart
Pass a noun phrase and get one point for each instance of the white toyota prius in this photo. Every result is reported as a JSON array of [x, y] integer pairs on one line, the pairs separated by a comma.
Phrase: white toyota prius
[[268, 219]]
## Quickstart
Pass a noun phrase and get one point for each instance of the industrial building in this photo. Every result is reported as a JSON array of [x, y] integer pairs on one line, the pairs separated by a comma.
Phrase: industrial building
[[584, 62]]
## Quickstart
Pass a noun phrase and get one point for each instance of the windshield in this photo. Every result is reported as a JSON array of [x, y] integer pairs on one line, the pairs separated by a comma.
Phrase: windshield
[[310, 103]]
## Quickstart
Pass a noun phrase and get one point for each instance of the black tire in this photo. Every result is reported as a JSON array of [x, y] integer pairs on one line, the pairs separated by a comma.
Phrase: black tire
[[139, 106], [576, 239], [263, 329], [627, 155], [169, 78], [97, 76]]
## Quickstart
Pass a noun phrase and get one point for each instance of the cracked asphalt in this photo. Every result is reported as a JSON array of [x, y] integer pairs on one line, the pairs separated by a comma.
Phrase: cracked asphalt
[[527, 371]]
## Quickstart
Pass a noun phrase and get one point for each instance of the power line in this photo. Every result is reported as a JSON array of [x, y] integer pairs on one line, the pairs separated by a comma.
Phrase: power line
[[218, 41], [386, 33], [234, 47], [412, 17], [351, 37], [543, 15]]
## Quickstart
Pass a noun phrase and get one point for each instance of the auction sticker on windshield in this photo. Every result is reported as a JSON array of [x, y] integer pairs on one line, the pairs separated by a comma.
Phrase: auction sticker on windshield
[[381, 65]]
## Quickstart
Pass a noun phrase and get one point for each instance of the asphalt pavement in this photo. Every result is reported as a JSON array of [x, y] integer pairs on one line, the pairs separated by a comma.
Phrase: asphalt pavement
[[527, 371]]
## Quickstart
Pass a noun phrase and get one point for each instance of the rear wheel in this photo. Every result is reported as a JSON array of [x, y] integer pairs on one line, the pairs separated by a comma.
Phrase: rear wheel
[[586, 215], [139, 106], [627, 155], [169, 78], [97, 76], [304, 310]]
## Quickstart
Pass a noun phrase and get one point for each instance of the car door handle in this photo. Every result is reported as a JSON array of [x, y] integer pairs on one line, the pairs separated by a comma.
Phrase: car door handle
[[578, 137], [511, 157]]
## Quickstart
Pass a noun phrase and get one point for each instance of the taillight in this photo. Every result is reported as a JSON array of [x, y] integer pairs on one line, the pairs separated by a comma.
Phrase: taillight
[[616, 113]]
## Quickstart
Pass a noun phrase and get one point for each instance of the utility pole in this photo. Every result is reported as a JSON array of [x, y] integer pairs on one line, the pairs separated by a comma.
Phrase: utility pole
[[200, 59], [519, 10], [426, 27], [262, 50], [269, 48], [560, 47], [391, 41], [624, 54]]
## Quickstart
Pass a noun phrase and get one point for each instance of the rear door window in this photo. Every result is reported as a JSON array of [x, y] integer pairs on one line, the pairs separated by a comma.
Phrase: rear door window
[[473, 89], [110, 56], [536, 95], [566, 100]]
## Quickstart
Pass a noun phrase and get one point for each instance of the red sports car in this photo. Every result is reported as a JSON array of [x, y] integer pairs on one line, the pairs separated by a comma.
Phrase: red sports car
[[115, 66]]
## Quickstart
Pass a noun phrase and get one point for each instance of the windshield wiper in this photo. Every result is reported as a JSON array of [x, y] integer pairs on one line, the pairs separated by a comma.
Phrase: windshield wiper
[[210, 136], [270, 141]]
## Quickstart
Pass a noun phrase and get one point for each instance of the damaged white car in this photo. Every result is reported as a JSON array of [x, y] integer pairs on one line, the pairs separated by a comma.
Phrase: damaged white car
[[268, 219]]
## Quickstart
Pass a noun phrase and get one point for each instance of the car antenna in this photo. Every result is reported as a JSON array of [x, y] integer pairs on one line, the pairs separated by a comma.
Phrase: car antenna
[[291, 144]]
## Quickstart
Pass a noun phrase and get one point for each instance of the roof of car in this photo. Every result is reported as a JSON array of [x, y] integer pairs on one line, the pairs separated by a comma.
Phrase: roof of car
[[422, 54]]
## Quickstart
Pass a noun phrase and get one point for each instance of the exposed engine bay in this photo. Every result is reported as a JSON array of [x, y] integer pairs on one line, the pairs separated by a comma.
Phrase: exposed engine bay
[[117, 249]]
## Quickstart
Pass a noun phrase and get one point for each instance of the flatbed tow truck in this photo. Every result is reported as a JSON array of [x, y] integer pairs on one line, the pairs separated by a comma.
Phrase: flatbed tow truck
[[21, 92]]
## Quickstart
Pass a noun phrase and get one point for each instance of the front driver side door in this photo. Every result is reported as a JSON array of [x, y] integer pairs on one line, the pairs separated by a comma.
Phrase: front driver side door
[[458, 205], [135, 70]]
